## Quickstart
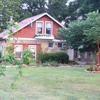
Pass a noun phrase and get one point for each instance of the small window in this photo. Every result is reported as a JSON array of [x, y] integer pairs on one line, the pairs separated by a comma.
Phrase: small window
[[60, 45], [48, 28], [39, 27], [18, 50], [50, 45]]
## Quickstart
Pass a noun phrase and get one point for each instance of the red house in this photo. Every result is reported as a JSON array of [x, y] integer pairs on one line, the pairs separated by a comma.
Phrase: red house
[[37, 32]]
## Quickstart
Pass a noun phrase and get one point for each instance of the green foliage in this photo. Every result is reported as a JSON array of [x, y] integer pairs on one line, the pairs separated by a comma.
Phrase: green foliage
[[59, 57], [92, 69], [2, 70], [10, 8], [40, 53], [16, 62], [33, 63], [88, 6], [26, 56], [57, 9], [82, 33], [93, 29], [9, 57], [13, 86], [78, 8]]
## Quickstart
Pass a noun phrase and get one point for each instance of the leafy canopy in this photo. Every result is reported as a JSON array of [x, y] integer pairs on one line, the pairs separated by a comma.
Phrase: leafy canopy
[[82, 33], [93, 29]]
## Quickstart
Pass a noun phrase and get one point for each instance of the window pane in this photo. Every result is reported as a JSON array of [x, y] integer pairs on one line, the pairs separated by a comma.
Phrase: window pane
[[39, 27], [39, 30], [50, 45], [48, 25], [48, 28], [39, 24], [60, 45]]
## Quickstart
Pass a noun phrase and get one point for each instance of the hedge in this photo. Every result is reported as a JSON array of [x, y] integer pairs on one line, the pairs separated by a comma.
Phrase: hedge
[[59, 57]]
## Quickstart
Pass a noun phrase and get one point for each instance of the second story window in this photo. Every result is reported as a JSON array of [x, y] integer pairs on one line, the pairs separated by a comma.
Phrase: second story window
[[39, 27], [48, 27]]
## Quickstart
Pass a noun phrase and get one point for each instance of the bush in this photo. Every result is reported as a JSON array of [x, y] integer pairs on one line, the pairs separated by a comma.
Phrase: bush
[[59, 57], [16, 62], [92, 69], [33, 63], [9, 57], [26, 56]]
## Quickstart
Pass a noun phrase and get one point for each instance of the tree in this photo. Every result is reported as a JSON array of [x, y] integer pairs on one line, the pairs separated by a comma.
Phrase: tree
[[79, 8], [57, 9], [75, 37], [35, 6], [1, 7], [93, 29], [88, 6], [10, 8], [20, 9], [72, 10]]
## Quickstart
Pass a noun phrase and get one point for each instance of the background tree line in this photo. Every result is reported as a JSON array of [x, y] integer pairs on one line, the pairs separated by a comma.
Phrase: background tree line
[[21, 9]]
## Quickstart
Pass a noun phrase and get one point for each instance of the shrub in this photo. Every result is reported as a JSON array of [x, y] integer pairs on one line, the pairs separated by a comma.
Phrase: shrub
[[16, 62], [59, 57], [54, 63], [33, 63], [92, 69], [26, 56], [9, 57]]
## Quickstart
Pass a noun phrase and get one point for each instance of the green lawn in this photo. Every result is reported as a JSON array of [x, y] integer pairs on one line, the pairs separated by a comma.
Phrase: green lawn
[[51, 84]]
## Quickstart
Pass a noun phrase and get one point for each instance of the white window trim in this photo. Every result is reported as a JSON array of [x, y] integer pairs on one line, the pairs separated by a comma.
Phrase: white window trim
[[51, 28], [42, 26], [50, 47], [18, 45]]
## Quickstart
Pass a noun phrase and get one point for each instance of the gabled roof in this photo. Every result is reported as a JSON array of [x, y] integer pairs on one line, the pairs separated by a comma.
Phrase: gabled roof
[[28, 21]]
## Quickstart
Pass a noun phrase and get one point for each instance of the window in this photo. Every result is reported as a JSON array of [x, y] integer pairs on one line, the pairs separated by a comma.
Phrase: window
[[18, 50], [39, 27], [48, 28], [33, 51], [50, 45], [60, 45]]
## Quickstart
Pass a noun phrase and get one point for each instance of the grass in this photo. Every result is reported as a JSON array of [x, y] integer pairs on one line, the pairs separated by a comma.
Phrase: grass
[[45, 83]]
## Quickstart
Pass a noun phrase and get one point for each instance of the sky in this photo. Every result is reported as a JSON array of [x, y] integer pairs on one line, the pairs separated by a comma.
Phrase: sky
[[69, 1]]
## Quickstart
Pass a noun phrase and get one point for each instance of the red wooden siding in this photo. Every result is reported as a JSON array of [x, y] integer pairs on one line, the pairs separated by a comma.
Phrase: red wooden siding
[[29, 31], [26, 32]]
